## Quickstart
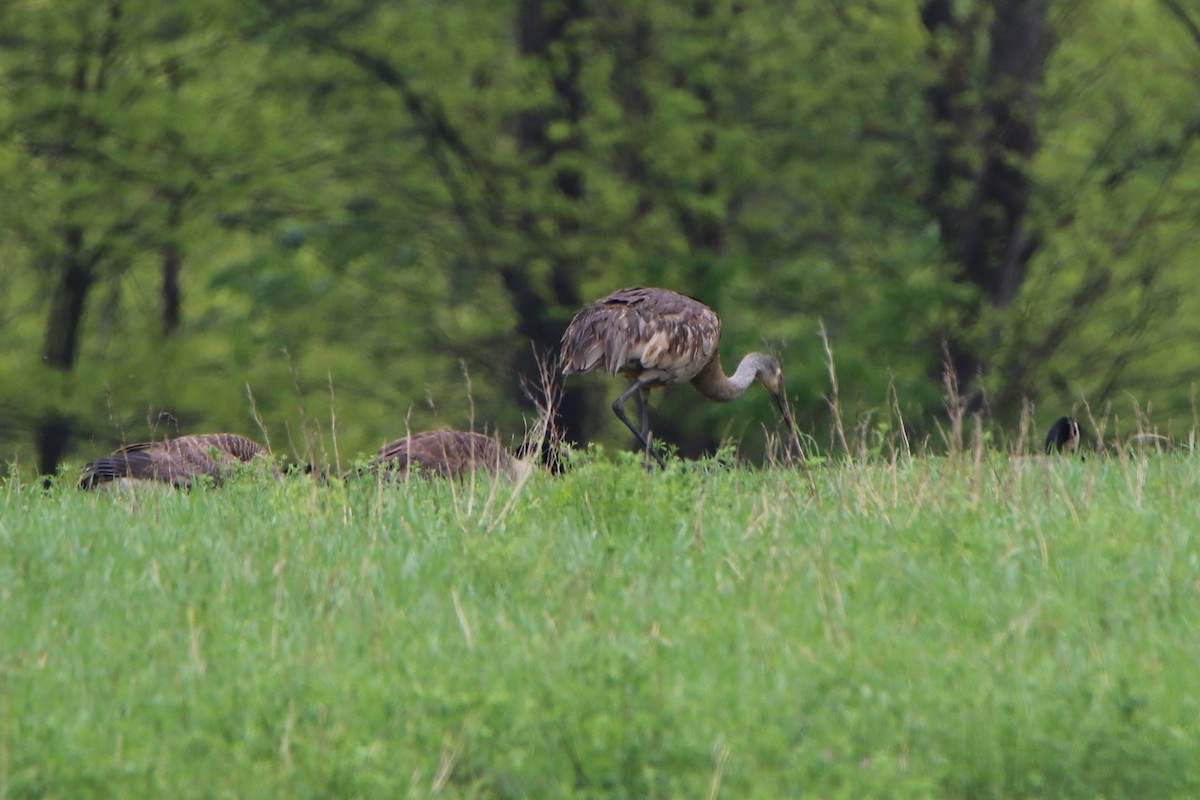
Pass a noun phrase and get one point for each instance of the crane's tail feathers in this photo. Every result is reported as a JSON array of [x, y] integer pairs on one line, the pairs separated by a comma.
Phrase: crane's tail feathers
[[132, 464]]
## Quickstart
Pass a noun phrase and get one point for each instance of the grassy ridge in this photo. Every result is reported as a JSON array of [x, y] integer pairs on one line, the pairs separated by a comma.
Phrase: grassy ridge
[[942, 628]]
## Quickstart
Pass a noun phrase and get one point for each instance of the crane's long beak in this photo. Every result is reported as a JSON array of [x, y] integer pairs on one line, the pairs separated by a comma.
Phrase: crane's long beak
[[785, 411]]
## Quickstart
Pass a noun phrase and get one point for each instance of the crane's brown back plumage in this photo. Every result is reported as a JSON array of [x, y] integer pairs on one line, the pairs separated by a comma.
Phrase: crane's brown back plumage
[[177, 461], [445, 453], [654, 334]]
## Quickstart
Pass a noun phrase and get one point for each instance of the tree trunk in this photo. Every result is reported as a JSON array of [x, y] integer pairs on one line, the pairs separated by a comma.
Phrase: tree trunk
[[705, 230], [76, 274], [74, 267], [980, 184], [53, 433], [172, 265], [544, 30], [543, 308], [172, 256], [75, 278]]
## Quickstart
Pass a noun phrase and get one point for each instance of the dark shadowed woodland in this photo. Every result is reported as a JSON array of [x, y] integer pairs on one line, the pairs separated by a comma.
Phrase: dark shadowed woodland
[[323, 223]]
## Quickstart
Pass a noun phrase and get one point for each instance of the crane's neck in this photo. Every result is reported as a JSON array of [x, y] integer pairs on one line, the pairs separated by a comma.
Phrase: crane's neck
[[713, 383]]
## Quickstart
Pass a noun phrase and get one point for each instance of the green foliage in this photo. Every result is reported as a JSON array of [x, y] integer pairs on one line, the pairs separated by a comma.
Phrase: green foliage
[[932, 628], [372, 200], [1111, 297]]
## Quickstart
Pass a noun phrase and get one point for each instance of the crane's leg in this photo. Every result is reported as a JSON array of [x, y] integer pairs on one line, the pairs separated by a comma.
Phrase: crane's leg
[[644, 418], [643, 434], [644, 412]]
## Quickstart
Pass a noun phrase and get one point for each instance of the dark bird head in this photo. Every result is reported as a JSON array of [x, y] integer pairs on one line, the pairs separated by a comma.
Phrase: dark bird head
[[1063, 436]]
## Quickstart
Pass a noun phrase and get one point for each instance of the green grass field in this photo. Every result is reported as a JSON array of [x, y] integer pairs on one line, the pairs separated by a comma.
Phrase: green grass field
[[941, 628]]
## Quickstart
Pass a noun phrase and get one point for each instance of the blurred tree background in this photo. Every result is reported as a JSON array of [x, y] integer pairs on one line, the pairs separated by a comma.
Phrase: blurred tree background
[[348, 219]]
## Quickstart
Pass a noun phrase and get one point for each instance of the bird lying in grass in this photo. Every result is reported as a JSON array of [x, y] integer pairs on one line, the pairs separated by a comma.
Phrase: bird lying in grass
[[1145, 443], [179, 462], [445, 453]]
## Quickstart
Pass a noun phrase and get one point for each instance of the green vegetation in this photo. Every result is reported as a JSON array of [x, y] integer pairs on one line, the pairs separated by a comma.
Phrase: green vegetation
[[964, 627], [342, 205]]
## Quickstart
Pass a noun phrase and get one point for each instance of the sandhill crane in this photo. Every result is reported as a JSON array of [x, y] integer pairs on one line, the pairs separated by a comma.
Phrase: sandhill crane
[[445, 453], [1063, 436], [656, 337], [177, 461]]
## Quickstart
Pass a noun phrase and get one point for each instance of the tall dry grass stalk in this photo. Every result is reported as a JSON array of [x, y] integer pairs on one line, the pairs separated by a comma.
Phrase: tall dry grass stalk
[[956, 407], [832, 399]]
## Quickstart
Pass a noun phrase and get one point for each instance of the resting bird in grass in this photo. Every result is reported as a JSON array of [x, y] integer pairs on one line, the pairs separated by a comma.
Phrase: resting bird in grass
[[178, 462], [445, 453], [1063, 436], [655, 337], [1143, 443]]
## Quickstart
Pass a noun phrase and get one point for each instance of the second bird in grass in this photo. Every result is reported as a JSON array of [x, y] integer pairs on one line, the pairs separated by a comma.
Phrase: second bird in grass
[[655, 337], [445, 453]]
